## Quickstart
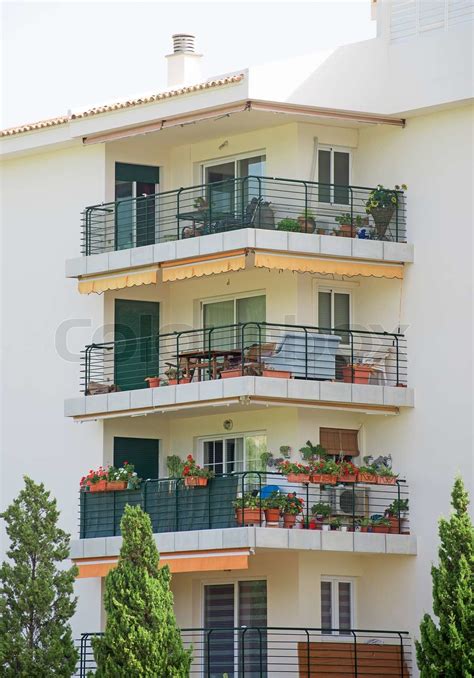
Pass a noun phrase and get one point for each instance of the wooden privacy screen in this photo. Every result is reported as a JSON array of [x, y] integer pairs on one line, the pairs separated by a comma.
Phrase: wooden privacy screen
[[337, 440], [327, 660]]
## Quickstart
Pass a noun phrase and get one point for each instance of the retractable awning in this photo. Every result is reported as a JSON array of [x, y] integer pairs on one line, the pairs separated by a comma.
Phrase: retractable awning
[[326, 266], [118, 281]]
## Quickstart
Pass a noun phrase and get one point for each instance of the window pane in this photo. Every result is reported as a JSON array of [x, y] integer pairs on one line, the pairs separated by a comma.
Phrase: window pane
[[254, 447], [250, 310], [341, 178], [235, 455], [219, 613], [324, 175], [345, 605], [219, 315], [324, 310], [221, 195], [251, 167], [214, 455], [341, 316], [326, 605]]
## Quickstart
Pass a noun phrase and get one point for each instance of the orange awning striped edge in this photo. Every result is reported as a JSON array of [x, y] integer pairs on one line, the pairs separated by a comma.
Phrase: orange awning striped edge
[[326, 265]]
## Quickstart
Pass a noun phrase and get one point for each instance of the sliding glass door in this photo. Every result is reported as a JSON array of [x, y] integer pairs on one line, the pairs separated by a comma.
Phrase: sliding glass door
[[217, 314], [225, 195]]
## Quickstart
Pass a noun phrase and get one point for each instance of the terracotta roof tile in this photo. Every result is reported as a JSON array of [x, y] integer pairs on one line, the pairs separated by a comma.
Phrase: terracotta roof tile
[[130, 103]]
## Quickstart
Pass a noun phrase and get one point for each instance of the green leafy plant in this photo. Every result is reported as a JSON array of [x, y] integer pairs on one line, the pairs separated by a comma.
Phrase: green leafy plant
[[344, 219], [309, 452], [36, 590], [380, 522], [335, 522], [265, 459], [325, 466], [384, 197], [446, 646], [321, 509], [288, 225], [397, 507], [385, 472], [286, 467], [364, 522], [94, 477], [141, 635], [274, 500], [248, 500], [368, 469], [291, 504], [192, 470], [285, 451], [174, 464]]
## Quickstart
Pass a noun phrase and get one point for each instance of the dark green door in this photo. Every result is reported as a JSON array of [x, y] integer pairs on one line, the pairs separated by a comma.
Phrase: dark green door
[[137, 326], [135, 211], [141, 452]]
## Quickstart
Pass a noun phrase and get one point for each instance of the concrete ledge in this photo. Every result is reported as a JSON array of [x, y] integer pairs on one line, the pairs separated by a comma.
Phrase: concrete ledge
[[259, 539], [258, 391], [298, 243]]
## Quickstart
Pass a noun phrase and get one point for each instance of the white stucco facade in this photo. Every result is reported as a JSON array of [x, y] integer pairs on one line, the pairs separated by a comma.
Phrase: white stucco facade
[[55, 434]]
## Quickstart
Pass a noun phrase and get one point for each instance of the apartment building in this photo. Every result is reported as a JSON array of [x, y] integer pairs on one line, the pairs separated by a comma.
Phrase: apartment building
[[231, 292]]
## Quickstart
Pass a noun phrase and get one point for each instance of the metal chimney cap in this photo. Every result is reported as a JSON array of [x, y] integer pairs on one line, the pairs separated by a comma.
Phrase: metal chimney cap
[[183, 43]]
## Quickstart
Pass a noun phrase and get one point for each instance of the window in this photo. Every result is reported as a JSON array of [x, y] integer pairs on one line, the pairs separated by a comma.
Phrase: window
[[234, 455], [227, 194], [220, 314], [339, 441], [334, 311], [336, 605], [334, 168]]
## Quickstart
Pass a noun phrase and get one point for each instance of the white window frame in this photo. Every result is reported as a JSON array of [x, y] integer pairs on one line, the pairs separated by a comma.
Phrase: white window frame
[[230, 158], [228, 436], [231, 297], [335, 581], [332, 150], [333, 290]]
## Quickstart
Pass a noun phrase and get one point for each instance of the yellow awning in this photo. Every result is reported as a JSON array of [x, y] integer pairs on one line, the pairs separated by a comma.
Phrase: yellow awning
[[198, 269], [118, 282], [327, 266]]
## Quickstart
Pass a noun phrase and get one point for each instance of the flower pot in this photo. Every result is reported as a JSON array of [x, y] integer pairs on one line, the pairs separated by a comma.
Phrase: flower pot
[[153, 382], [367, 478], [347, 478], [272, 515], [276, 374], [289, 520], [346, 231], [228, 374], [324, 478], [195, 481], [381, 529], [116, 485], [314, 525], [382, 217], [394, 525], [101, 486], [307, 225], [364, 528], [356, 374], [248, 516], [298, 477], [183, 380], [386, 480]]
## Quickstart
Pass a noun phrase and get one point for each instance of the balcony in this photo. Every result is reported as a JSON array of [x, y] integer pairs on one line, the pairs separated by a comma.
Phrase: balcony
[[273, 651], [281, 215], [259, 362]]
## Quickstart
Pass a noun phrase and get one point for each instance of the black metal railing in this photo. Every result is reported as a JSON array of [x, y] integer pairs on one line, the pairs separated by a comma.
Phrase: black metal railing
[[175, 507], [252, 348], [274, 651], [247, 202]]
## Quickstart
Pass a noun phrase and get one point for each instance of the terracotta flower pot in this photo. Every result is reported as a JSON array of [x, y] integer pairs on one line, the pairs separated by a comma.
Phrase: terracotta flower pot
[[272, 515], [324, 478], [183, 380], [289, 520], [381, 529], [101, 486], [386, 480], [356, 374], [307, 224], [115, 485], [248, 516], [346, 231], [276, 374], [228, 374], [153, 382], [394, 525], [348, 478], [298, 477], [195, 481], [364, 528], [367, 478]]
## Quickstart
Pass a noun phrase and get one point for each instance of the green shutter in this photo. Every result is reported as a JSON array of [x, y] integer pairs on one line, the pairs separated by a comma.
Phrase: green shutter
[[141, 452], [138, 357], [144, 173]]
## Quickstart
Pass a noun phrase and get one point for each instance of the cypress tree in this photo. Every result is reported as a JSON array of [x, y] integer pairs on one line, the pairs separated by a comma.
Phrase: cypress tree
[[141, 637], [447, 649], [36, 600]]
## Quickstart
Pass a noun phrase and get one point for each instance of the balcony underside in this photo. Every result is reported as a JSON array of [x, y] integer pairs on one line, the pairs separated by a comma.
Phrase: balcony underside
[[237, 250], [204, 397]]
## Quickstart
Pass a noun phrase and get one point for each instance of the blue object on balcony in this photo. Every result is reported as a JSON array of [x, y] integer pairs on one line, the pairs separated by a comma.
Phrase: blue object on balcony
[[268, 489], [306, 355]]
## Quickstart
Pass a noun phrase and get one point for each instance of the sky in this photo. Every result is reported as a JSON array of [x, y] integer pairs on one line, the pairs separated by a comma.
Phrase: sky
[[60, 56]]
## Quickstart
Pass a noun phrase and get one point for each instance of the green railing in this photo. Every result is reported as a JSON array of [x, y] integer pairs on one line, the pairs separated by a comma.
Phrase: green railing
[[247, 202]]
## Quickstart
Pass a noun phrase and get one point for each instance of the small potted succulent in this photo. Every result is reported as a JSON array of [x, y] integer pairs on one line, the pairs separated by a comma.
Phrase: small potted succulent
[[324, 472], [295, 472], [289, 225], [306, 221], [381, 204], [321, 512], [292, 506], [272, 506], [347, 472], [153, 382], [367, 474], [195, 475], [248, 509], [381, 525], [396, 513], [385, 475]]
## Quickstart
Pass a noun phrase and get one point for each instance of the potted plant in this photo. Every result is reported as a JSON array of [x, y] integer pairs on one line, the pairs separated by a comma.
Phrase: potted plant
[[153, 382], [310, 452], [345, 223], [364, 524], [291, 507], [381, 525], [272, 507], [266, 459], [174, 465], [117, 478], [306, 221], [175, 376], [381, 204], [276, 374], [367, 474], [385, 476], [356, 373], [248, 509], [335, 522], [295, 472], [95, 481], [324, 472], [231, 372], [395, 513], [289, 225], [321, 512], [200, 203], [285, 451], [347, 472], [195, 475]]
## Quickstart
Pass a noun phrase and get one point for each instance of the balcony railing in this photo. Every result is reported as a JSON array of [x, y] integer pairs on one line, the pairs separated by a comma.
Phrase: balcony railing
[[174, 507], [274, 652], [253, 348], [248, 202]]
